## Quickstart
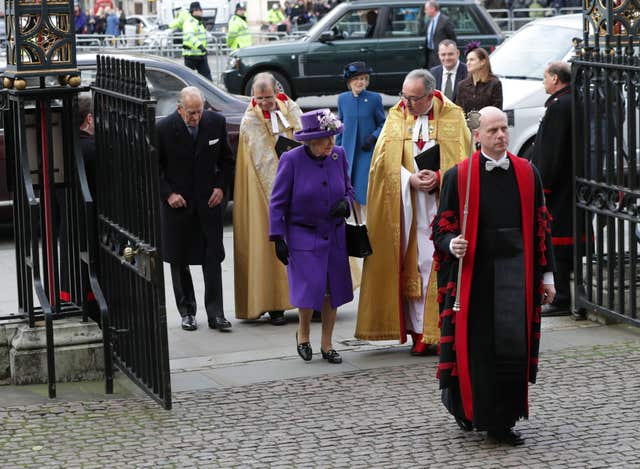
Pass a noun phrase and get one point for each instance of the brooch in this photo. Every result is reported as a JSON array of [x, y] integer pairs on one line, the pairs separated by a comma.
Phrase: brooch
[[334, 156], [366, 100]]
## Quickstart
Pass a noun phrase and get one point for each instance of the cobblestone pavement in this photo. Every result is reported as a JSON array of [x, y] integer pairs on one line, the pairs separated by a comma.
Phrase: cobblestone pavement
[[584, 413]]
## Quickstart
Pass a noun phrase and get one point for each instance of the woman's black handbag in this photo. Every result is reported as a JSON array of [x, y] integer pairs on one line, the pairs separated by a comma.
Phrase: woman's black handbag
[[358, 244]]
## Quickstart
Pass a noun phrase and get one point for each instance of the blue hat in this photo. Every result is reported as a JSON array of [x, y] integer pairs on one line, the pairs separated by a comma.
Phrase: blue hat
[[354, 69], [318, 124]]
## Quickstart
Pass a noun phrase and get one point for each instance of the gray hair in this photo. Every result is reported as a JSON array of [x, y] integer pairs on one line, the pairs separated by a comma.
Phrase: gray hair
[[262, 80], [433, 4], [189, 91], [427, 78]]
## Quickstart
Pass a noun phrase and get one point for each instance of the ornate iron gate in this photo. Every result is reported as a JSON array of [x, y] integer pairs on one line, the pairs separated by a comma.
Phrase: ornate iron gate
[[606, 86], [128, 206]]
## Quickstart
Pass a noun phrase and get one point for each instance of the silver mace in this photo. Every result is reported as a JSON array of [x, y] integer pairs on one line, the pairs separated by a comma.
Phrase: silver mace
[[473, 122]]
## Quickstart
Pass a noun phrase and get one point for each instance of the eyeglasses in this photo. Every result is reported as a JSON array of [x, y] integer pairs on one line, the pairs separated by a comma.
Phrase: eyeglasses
[[412, 99], [264, 98]]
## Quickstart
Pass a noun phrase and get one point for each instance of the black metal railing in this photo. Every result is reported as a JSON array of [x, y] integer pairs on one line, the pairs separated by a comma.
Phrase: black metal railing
[[128, 224], [606, 79], [52, 211]]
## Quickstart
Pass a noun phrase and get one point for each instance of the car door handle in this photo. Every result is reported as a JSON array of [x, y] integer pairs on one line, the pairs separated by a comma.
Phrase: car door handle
[[420, 47], [364, 49]]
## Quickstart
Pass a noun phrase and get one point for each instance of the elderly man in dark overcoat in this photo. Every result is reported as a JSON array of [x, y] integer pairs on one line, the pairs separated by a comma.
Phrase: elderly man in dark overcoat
[[195, 162]]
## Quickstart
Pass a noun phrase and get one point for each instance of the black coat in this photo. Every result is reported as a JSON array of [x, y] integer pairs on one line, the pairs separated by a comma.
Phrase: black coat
[[193, 169], [444, 30], [552, 155], [461, 74]]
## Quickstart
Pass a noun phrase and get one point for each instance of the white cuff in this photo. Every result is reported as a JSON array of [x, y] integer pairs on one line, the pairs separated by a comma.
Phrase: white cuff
[[451, 247], [547, 278]]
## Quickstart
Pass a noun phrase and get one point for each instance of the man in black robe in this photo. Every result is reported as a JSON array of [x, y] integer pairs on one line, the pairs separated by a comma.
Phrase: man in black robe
[[552, 155], [489, 348]]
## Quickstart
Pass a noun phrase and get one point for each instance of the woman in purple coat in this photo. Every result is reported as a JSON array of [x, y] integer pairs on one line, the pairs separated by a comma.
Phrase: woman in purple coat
[[310, 200]]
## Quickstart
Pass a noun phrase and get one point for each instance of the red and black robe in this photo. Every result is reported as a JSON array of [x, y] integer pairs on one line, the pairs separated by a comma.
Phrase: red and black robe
[[489, 349]]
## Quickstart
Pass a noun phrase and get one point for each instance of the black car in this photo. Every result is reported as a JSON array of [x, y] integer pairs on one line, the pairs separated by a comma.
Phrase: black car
[[388, 34]]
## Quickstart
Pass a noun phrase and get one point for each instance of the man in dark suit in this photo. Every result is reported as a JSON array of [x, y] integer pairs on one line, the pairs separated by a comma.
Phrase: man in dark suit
[[451, 71], [552, 155], [195, 163], [439, 28]]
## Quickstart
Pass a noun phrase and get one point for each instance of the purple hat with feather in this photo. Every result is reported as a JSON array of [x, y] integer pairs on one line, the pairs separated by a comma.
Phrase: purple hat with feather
[[318, 124]]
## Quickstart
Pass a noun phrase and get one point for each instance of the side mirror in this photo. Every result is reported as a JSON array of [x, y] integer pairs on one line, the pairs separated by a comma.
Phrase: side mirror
[[327, 36]]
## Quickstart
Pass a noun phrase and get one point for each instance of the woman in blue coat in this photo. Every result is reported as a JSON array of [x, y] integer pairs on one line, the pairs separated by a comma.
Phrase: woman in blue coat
[[310, 200], [362, 113]]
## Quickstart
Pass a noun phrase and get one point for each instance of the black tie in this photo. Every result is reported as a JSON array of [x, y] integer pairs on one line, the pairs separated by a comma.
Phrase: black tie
[[448, 88]]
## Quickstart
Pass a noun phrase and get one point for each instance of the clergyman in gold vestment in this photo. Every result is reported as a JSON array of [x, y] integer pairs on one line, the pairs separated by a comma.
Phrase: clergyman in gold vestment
[[260, 279], [398, 292]]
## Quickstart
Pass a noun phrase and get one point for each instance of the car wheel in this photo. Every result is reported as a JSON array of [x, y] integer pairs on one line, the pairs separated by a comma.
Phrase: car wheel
[[281, 80]]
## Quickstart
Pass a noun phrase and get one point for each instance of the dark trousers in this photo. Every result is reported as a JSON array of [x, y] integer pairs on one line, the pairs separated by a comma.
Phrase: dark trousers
[[185, 295], [431, 58], [199, 63], [562, 279]]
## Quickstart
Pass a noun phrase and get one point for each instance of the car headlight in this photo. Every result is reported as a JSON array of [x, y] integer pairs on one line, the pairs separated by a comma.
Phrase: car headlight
[[234, 63]]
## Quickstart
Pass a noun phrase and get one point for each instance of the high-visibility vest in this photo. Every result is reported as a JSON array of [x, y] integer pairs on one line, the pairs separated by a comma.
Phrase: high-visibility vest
[[238, 35], [178, 21], [194, 35], [275, 16]]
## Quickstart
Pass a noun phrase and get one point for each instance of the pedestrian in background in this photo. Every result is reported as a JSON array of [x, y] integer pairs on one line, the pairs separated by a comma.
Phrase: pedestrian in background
[[489, 348], [309, 204], [362, 114], [238, 35], [194, 39], [196, 163], [481, 88], [451, 71], [113, 22], [438, 29], [398, 292], [553, 156], [80, 20], [260, 279]]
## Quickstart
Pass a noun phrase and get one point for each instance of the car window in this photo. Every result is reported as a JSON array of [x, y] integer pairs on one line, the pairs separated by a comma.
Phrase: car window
[[404, 22], [164, 88], [356, 24], [526, 54], [464, 22]]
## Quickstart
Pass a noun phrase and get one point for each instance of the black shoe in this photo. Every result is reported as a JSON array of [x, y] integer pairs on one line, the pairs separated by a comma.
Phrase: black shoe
[[189, 323], [317, 316], [219, 323], [464, 424], [277, 318], [331, 356], [552, 309], [304, 349], [507, 436]]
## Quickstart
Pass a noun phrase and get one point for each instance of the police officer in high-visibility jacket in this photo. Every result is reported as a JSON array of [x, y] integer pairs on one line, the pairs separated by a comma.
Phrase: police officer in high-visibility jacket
[[194, 39], [238, 34]]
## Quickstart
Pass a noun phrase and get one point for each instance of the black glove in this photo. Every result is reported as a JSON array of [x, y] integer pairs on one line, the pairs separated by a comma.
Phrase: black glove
[[202, 48], [282, 251], [369, 143], [340, 209]]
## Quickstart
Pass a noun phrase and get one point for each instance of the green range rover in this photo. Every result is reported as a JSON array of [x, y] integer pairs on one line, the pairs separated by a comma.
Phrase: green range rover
[[388, 34]]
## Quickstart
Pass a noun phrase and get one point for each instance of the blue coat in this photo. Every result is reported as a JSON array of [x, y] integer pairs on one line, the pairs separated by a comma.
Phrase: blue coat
[[113, 25], [303, 192], [363, 116]]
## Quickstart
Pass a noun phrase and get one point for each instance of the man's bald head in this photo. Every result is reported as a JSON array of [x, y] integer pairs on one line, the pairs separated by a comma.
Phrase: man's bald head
[[493, 133]]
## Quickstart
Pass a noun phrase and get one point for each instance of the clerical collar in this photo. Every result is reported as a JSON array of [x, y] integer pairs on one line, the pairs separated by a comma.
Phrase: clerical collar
[[503, 157]]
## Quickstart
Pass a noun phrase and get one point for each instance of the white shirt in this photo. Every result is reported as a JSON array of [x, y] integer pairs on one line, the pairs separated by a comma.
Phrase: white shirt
[[547, 278], [453, 72]]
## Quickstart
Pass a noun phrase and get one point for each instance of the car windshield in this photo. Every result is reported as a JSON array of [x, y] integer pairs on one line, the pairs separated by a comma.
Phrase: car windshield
[[526, 54], [321, 25]]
